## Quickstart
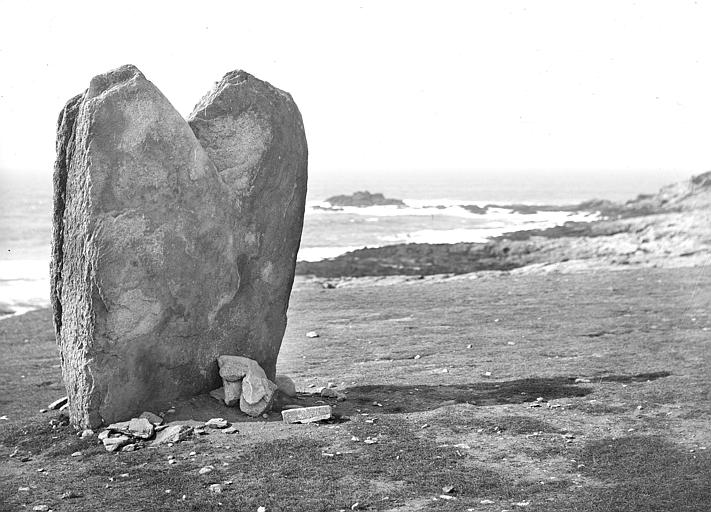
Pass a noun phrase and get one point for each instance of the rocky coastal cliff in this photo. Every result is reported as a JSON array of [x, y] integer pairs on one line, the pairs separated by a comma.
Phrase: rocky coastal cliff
[[669, 228]]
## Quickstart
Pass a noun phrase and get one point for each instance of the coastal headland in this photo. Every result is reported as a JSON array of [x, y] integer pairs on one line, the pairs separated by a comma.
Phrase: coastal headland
[[667, 229]]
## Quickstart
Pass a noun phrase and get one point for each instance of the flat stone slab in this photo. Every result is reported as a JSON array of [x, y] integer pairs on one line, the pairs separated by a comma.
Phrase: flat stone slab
[[307, 414]]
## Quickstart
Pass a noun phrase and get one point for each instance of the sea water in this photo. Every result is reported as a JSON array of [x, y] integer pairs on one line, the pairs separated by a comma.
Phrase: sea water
[[433, 214]]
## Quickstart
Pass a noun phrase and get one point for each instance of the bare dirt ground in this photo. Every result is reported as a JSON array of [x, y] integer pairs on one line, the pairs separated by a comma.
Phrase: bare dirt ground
[[584, 391]]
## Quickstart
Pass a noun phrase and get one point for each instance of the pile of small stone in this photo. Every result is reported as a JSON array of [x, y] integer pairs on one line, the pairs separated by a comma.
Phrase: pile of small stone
[[246, 384], [134, 434]]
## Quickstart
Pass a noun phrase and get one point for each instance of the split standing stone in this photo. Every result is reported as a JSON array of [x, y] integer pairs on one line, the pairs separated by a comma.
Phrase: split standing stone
[[173, 243]]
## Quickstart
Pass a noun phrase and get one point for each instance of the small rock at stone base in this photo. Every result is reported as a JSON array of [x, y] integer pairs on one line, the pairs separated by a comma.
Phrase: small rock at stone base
[[114, 443], [86, 433], [234, 368], [230, 430], [41, 508], [217, 423], [58, 403], [218, 394], [129, 448], [286, 385], [256, 386], [104, 434], [312, 334], [121, 426], [329, 393], [307, 414], [260, 407], [231, 392], [153, 418], [141, 428], [216, 488], [173, 434]]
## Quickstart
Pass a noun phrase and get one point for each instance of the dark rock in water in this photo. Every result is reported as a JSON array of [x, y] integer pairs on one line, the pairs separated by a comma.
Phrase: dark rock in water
[[364, 199], [173, 243]]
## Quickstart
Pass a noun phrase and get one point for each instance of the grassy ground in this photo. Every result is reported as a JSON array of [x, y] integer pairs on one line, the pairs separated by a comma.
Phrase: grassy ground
[[617, 364]]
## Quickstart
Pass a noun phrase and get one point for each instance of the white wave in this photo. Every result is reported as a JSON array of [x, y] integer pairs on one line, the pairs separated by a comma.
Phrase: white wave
[[24, 285], [441, 236], [395, 211]]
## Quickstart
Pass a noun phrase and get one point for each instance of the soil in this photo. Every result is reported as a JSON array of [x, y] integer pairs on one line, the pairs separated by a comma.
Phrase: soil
[[562, 391]]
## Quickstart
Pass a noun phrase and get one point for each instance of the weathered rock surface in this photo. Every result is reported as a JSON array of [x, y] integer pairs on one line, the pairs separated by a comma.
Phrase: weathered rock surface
[[307, 414], [234, 368], [172, 434], [172, 242], [232, 392], [286, 385], [244, 379]]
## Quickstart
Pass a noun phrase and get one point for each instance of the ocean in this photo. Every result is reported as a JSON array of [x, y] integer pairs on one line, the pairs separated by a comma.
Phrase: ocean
[[433, 214]]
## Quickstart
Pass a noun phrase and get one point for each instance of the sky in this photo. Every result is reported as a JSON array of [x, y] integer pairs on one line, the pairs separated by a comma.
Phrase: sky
[[393, 86]]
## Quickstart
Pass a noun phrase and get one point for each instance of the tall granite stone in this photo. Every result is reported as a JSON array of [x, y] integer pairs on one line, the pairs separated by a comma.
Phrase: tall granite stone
[[171, 245]]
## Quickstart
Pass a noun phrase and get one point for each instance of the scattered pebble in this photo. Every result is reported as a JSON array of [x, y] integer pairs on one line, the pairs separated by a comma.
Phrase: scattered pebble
[[217, 423], [70, 495], [261, 509], [418, 356], [469, 346], [23, 489], [76, 454], [487, 502], [230, 430], [371, 440], [312, 334], [207, 469], [86, 433], [41, 508], [447, 497], [216, 488]]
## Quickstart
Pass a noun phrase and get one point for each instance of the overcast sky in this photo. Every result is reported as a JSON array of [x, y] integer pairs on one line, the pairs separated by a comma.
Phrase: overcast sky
[[393, 86]]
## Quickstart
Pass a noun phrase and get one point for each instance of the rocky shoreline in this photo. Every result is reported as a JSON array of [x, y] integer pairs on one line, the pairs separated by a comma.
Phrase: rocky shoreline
[[670, 228]]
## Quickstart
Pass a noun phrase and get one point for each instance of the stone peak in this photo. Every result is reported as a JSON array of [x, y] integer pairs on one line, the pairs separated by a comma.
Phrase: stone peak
[[102, 83]]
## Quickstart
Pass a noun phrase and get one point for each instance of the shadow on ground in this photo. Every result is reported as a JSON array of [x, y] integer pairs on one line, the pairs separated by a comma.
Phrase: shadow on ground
[[389, 398], [415, 398]]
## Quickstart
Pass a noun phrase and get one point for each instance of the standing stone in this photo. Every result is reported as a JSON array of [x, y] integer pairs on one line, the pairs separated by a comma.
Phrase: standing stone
[[171, 245]]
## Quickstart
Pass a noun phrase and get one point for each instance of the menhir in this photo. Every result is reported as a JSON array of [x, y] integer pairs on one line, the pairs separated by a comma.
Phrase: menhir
[[174, 242]]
